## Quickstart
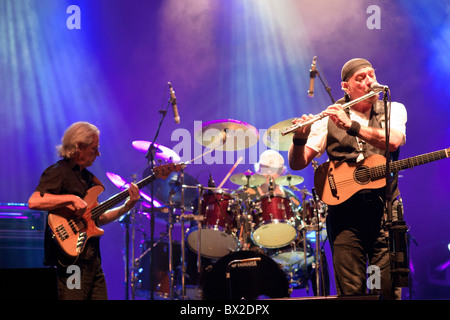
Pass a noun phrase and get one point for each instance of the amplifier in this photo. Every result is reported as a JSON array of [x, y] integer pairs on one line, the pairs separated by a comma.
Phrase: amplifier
[[21, 236]]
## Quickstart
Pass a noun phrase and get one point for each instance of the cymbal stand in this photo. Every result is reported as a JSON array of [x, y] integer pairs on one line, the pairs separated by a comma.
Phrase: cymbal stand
[[305, 265], [170, 233], [133, 252], [183, 258], [190, 217], [199, 229], [127, 220], [246, 223], [318, 268], [150, 156], [319, 263]]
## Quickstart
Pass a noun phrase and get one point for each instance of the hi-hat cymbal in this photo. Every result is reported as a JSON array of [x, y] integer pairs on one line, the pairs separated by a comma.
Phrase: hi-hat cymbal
[[161, 151], [122, 184], [227, 135], [289, 180], [273, 138], [248, 179]]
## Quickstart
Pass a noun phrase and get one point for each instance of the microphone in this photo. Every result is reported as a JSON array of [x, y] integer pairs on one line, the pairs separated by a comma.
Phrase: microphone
[[173, 101], [312, 76], [377, 86]]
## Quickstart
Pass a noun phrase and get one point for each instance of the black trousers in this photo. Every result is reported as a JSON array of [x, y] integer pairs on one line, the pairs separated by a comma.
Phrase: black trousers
[[91, 280], [359, 244]]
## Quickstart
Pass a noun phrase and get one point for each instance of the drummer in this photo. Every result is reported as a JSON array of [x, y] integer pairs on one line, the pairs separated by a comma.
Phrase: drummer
[[270, 165]]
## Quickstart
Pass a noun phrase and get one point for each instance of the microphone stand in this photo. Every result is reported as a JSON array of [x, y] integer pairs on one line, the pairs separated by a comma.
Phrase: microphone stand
[[325, 84], [150, 155], [397, 229]]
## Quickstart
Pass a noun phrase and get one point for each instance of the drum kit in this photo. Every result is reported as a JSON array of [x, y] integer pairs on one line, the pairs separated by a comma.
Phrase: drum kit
[[241, 245]]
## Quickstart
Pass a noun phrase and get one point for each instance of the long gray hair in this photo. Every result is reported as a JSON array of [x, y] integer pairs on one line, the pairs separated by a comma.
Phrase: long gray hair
[[79, 133]]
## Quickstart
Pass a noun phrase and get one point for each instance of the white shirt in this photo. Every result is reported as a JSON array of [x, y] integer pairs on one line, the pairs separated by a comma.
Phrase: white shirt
[[317, 139]]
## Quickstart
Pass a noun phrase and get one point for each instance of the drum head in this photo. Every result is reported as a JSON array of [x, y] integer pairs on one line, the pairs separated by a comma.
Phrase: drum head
[[214, 243], [274, 235], [248, 280]]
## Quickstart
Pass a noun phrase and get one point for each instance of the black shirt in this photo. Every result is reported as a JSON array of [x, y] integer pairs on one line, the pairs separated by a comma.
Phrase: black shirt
[[66, 177]]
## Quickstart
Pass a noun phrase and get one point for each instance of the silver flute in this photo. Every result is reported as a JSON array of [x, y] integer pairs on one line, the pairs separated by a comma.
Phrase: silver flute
[[320, 116]]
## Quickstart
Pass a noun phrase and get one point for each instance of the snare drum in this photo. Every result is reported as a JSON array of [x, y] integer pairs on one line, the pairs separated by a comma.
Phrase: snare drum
[[274, 222], [218, 232]]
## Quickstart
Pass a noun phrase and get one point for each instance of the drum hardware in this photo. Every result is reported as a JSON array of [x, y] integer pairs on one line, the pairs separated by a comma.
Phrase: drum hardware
[[312, 221], [183, 218], [271, 189], [292, 260], [125, 221]]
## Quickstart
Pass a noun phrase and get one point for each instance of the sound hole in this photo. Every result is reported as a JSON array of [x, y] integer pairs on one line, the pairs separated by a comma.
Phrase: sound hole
[[362, 175]]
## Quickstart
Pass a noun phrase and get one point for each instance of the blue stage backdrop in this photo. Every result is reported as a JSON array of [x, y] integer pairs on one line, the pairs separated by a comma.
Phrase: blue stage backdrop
[[109, 62]]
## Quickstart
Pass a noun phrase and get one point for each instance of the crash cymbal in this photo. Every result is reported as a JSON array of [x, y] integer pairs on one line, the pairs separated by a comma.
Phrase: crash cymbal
[[162, 152], [122, 184], [289, 180], [248, 179], [169, 189], [273, 138], [227, 135]]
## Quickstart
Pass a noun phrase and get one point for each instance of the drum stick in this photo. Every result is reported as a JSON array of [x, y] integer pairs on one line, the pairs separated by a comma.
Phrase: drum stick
[[231, 171], [187, 162]]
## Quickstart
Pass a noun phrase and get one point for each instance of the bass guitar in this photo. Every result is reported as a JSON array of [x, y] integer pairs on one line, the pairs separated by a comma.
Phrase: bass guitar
[[72, 231]]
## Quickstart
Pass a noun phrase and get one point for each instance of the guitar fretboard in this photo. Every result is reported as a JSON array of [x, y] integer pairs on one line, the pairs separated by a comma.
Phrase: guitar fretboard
[[118, 198], [377, 172]]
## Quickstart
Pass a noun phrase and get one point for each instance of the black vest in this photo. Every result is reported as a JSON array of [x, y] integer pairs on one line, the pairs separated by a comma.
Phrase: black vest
[[343, 147]]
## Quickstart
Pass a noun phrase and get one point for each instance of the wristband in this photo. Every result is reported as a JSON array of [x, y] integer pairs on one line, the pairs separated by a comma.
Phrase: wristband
[[299, 142], [354, 129]]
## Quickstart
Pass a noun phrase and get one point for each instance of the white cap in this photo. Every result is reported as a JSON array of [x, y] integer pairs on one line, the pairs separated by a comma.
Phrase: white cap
[[271, 159]]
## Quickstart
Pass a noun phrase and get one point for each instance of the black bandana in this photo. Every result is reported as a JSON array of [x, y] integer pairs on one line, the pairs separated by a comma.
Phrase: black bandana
[[353, 65]]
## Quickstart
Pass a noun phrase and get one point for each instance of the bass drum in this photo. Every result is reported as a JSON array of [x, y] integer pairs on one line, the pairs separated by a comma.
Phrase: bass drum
[[251, 279]]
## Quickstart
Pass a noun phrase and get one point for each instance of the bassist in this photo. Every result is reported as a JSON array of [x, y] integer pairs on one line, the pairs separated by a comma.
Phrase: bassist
[[66, 184]]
